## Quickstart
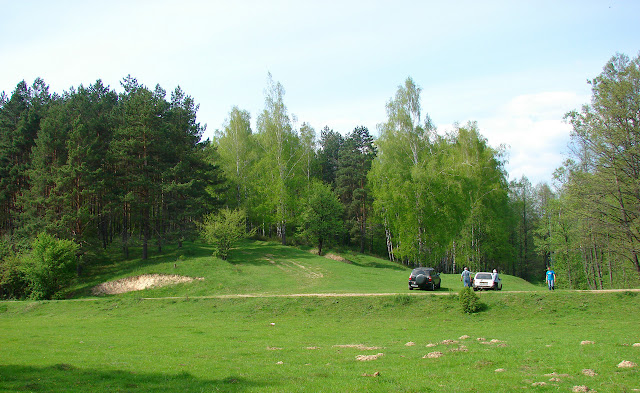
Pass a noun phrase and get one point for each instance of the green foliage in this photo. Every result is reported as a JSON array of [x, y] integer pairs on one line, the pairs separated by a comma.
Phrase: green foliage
[[469, 301], [223, 230], [50, 267], [12, 279], [322, 214]]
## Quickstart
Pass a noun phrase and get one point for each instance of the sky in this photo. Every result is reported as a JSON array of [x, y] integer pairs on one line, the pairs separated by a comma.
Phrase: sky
[[514, 67]]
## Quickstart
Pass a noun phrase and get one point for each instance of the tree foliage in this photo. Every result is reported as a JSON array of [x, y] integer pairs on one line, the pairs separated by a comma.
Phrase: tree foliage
[[50, 266], [223, 230], [322, 216], [599, 198], [106, 169]]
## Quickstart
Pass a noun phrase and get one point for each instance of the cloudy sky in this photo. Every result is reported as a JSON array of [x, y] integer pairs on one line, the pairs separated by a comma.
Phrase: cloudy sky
[[515, 67]]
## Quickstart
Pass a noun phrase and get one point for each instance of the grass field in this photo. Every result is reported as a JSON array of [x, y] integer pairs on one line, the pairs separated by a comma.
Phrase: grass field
[[145, 342], [271, 269]]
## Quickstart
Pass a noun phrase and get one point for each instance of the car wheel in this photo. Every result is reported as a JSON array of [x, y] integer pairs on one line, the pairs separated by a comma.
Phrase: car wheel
[[410, 288], [433, 286]]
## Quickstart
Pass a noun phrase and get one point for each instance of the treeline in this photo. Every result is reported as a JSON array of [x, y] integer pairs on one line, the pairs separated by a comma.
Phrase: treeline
[[412, 195], [591, 224], [99, 168], [106, 170]]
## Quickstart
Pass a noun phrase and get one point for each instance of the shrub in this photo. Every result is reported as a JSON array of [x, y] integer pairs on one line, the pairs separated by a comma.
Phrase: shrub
[[13, 284], [50, 266], [224, 230], [469, 301]]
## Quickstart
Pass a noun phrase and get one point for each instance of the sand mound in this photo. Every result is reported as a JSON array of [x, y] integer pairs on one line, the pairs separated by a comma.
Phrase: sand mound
[[357, 346], [627, 364], [139, 283], [366, 358]]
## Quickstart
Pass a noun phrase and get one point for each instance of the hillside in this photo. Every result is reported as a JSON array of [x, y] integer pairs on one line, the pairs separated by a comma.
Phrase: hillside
[[258, 267]]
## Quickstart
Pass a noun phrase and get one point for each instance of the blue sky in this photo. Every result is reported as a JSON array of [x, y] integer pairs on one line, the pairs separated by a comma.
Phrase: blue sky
[[515, 67]]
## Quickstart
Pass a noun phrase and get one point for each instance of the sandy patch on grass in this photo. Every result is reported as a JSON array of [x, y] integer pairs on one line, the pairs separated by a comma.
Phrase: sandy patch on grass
[[627, 364], [138, 283], [589, 372], [448, 342], [433, 355], [366, 358], [357, 346]]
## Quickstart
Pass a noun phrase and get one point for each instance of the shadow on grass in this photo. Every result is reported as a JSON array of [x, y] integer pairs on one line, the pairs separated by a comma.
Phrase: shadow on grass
[[378, 265], [259, 252], [67, 378], [109, 268]]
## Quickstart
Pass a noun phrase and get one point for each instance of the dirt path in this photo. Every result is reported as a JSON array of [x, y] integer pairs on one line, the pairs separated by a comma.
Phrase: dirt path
[[414, 293]]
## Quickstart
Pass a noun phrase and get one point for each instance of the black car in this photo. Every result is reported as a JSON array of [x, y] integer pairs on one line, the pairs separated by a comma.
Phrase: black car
[[424, 278]]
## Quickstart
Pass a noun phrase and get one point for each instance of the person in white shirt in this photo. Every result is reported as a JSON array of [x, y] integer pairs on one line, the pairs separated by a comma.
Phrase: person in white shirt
[[494, 278]]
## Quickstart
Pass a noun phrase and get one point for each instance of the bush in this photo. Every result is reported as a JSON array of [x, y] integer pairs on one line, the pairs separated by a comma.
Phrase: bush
[[224, 230], [13, 284], [469, 301], [50, 266]]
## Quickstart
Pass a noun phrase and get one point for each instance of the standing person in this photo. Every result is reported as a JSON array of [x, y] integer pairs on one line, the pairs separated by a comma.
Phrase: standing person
[[466, 277], [551, 278], [494, 278]]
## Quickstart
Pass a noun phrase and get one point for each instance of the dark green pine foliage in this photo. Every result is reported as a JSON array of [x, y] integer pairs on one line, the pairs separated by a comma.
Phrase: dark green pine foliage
[[355, 158], [70, 185], [20, 117], [136, 151], [329, 154], [187, 174]]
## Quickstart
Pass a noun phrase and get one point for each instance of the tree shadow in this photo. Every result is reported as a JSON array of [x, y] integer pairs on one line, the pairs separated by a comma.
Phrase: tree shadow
[[258, 253], [67, 378], [378, 265], [110, 267]]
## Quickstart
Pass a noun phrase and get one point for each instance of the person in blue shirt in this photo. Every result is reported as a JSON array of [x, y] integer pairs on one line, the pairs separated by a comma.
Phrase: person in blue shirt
[[466, 277], [551, 278]]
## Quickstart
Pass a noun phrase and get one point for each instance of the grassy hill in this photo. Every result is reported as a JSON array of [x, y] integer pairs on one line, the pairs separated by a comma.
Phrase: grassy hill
[[268, 268], [405, 342]]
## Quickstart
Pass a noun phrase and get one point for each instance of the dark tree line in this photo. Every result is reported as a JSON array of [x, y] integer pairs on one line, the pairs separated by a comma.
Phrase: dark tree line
[[97, 167]]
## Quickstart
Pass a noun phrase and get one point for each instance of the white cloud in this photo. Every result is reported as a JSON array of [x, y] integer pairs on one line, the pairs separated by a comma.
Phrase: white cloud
[[532, 128]]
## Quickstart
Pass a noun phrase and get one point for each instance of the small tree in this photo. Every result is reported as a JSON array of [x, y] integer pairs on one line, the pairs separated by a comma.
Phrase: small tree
[[322, 216], [223, 230], [469, 301], [50, 266]]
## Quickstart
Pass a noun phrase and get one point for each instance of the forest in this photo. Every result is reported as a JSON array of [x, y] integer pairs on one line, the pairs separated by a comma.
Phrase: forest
[[91, 172]]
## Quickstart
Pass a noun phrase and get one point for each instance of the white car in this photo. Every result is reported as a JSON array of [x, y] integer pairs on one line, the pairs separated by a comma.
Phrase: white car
[[484, 280]]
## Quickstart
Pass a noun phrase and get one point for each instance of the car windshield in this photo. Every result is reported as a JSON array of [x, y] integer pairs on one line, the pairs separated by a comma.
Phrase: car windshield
[[483, 276]]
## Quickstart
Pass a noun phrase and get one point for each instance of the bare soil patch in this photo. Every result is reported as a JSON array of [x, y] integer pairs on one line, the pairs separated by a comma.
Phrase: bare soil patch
[[138, 283]]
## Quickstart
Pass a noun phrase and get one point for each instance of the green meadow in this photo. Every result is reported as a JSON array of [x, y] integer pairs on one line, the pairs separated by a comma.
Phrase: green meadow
[[201, 337]]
